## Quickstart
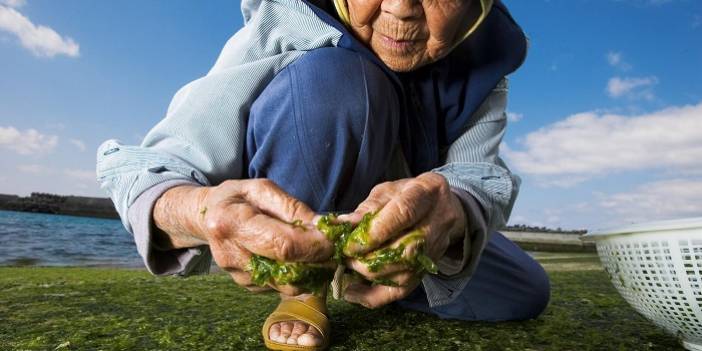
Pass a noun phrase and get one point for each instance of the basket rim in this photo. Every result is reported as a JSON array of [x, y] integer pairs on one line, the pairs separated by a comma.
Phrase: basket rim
[[647, 227]]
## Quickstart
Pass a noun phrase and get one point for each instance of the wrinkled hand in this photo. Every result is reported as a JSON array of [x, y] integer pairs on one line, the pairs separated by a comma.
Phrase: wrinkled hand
[[424, 203], [244, 217]]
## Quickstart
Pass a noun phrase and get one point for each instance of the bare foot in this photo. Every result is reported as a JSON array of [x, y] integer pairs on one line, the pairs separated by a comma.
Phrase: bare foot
[[295, 332]]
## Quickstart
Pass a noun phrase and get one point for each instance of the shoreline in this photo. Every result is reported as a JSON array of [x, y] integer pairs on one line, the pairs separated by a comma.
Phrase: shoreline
[[115, 267], [80, 206], [25, 264]]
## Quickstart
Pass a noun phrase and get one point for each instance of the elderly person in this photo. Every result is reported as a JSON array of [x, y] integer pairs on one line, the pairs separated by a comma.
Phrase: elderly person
[[395, 107]]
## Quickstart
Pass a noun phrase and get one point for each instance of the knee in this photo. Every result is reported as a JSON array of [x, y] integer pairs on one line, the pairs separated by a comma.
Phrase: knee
[[338, 113], [538, 292], [338, 89]]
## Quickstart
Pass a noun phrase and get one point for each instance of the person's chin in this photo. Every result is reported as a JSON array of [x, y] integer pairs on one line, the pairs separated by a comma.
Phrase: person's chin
[[401, 63], [398, 56]]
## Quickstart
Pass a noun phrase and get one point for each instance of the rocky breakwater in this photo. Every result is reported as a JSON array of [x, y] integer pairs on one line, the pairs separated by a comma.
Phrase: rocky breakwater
[[59, 204]]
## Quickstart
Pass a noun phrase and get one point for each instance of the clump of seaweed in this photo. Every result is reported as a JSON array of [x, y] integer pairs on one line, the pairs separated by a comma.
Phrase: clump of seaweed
[[376, 260], [313, 277]]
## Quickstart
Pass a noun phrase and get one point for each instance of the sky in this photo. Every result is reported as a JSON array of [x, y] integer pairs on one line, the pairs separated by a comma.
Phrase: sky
[[605, 115]]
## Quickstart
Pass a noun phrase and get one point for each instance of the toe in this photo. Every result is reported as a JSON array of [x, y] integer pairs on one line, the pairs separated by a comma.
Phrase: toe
[[285, 331], [311, 337], [274, 332], [298, 329]]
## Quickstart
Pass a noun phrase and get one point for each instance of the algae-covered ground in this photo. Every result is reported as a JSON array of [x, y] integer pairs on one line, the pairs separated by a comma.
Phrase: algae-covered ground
[[119, 309]]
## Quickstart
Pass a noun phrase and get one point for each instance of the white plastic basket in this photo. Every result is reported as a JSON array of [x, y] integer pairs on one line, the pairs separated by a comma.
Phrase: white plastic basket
[[657, 268]]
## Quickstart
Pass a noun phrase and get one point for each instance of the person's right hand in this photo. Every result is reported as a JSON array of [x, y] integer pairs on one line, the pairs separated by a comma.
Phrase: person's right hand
[[239, 218]]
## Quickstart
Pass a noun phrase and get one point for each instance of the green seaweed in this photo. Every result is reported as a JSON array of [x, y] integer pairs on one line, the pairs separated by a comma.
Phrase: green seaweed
[[311, 277], [376, 260], [420, 262], [126, 309], [337, 232], [343, 234], [359, 235], [427, 264]]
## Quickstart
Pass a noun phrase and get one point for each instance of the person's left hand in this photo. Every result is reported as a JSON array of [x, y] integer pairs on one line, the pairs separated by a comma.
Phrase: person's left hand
[[424, 205]]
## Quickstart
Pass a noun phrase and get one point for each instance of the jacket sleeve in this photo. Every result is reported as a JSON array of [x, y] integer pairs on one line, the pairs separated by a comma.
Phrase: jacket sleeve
[[199, 142], [473, 163], [486, 188], [135, 177], [201, 139]]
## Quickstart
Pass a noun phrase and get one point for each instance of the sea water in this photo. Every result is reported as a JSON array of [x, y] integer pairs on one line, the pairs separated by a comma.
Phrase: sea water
[[38, 239]]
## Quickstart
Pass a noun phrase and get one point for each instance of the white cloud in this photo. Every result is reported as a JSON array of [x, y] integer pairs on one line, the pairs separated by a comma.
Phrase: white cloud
[[589, 144], [83, 175], [632, 87], [666, 199], [42, 41], [78, 143], [34, 169], [616, 59], [13, 3], [514, 117], [26, 142]]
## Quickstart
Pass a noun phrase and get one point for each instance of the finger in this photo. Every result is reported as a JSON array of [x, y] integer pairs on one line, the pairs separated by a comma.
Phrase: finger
[[363, 269], [288, 289], [436, 237], [400, 279], [243, 279], [274, 201], [374, 296], [353, 217], [229, 255], [266, 236], [380, 195], [391, 258], [400, 213]]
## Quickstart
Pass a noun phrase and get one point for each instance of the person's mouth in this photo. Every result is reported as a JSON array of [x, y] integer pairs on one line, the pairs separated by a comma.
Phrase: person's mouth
[[397, 44]]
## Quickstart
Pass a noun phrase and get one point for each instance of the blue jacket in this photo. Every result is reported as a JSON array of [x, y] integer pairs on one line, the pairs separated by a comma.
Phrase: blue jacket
[[441, 98]]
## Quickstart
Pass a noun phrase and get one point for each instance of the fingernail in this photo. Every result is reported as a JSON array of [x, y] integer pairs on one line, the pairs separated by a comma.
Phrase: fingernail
[[352, 217]]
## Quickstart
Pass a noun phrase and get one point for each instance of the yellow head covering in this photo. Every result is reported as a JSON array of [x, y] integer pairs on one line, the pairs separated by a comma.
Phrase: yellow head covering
[[485, 6]]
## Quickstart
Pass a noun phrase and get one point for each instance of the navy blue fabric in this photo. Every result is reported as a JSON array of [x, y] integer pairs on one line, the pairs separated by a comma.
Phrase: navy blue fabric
[[439, 100], [507, 285], [323, 130]]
